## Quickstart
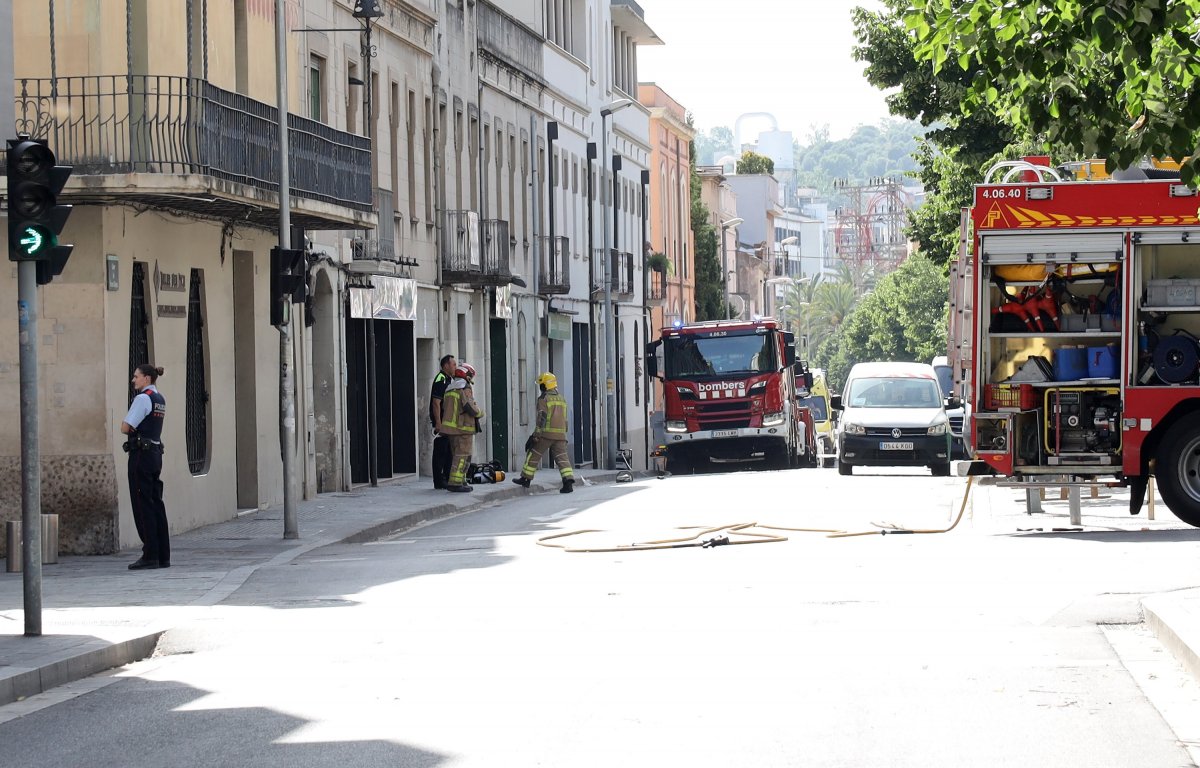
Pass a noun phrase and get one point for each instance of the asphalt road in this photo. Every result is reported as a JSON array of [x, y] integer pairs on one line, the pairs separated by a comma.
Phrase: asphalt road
[[468, 643]]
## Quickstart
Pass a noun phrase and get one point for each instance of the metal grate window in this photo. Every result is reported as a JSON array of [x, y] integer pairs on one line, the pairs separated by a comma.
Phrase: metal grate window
[[196, 425], [139, 324]]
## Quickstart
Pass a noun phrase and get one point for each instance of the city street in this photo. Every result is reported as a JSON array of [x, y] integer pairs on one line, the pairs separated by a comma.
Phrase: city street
[[469, 642]]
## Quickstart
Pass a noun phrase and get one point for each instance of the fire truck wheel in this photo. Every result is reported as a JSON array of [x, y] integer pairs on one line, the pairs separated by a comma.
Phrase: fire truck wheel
[[1177, 468], [845, 469]]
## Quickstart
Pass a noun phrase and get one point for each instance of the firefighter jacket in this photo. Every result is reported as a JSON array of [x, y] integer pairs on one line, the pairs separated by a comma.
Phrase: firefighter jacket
[[551, 416], [460, 413]]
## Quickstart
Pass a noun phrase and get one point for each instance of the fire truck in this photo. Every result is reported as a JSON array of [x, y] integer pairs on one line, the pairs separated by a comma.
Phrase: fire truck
[[1075, 319], [731, 395]]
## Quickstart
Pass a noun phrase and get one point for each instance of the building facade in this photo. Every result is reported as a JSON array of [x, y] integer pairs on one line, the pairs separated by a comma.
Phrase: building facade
[[448, 188]]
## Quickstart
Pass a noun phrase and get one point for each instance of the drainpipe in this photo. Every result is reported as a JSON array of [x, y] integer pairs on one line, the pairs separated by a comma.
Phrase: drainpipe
[[646, 385], [591, 254]]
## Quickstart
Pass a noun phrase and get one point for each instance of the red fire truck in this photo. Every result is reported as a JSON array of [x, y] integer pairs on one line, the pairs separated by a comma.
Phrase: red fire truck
[[731, 394], [1077, 314]]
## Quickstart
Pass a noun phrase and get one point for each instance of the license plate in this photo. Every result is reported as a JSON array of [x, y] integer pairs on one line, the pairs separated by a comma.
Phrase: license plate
[[887, 446], [724, 433]]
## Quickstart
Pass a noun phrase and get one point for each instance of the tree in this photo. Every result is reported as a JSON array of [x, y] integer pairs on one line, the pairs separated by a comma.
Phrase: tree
[[709, 291], [713, 144], [903, 319], [1118, 79], [751, 163]]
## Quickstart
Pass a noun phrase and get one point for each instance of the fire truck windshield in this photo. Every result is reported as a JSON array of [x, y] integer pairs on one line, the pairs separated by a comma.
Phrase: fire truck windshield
[[691, 356]]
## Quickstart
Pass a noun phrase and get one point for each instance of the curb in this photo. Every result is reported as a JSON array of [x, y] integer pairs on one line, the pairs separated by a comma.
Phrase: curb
[[1175, 628], [18, 683]]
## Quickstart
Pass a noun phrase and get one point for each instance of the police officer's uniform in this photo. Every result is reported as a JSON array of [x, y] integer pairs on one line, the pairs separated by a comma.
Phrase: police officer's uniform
[[146, 416]]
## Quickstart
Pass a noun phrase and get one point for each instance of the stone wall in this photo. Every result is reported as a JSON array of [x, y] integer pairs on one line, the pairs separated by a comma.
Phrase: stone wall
[[81, 490]]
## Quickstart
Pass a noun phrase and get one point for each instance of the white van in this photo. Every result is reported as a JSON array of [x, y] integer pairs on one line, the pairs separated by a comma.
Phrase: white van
[[893, 415]]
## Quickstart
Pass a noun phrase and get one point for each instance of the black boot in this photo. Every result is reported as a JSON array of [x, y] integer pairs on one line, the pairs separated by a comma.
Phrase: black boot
[[523, 481], [568, 485]]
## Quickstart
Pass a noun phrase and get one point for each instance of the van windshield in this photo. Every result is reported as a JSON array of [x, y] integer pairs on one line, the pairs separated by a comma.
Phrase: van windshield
[[894, 392], [945, 379]]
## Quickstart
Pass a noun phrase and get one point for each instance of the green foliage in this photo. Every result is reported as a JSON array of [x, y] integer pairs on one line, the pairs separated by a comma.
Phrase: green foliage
[[751, 163], [903, 319], [709, 290], [713, 144], [883, 150], [1117, 79]]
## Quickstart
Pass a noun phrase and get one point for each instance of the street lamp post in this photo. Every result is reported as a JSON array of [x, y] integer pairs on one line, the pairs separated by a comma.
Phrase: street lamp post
[[725, 225], [610, 408], [776, 279]]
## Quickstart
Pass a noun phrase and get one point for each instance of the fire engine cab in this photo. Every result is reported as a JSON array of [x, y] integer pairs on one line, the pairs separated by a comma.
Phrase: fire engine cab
[[1075, 329]]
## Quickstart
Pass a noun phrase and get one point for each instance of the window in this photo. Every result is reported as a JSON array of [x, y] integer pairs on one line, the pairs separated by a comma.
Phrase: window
[[196, 405], [316, 88], [139, 322]]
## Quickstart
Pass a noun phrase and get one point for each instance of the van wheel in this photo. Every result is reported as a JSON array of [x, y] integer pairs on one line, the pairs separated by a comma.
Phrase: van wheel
[[845, 469], [1177, 467], [940, 470], [828, 462]]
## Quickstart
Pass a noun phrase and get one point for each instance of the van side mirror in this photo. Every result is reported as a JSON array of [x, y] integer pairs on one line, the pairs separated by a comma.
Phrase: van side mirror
[[953, 402], [835, 402]]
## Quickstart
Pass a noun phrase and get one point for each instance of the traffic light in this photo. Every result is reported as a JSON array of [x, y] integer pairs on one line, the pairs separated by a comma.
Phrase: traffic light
[[35, 219], [287, 281]]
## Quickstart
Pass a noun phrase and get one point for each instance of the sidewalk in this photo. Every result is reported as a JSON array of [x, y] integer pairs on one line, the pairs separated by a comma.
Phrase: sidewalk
[[97, 614]]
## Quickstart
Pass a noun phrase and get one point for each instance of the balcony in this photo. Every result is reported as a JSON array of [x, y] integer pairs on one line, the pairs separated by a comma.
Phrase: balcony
[[204, 150], [658, 287], [620, 274], [475, 252], [554, 276]]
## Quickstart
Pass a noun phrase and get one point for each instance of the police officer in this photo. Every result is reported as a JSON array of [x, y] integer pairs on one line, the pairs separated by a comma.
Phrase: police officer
[[551, 432], [441, 443], [144, 424], [460, 422]]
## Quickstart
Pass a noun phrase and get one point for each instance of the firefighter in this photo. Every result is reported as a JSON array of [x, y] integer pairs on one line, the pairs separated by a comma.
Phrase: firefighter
[[551, 431], [460, 422]]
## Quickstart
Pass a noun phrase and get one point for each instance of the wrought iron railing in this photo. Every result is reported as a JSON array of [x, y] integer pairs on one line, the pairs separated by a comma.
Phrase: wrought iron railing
[[112, 124], [658, 286], [494, 239], [554, 277], [460, 249], [620, 274]]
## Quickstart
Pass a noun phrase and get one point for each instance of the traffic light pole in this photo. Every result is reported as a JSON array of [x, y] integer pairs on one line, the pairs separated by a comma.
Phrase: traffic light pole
[[287, 387], [31, 476]]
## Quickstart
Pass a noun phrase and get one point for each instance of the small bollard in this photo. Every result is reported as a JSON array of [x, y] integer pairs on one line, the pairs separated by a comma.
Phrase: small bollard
[[12, 542], [49, 539]]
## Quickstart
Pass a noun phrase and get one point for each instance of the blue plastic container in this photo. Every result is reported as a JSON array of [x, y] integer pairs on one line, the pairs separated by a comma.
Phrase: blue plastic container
[[1102, 362], [1070, 363]]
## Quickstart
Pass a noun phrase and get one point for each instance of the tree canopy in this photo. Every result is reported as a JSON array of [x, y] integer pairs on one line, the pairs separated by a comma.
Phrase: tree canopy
[[1117, 79], [752, 162]]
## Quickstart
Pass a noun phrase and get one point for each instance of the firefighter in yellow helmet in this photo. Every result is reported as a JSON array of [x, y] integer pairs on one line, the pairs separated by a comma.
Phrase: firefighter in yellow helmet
[[460, 422], [551, 432]]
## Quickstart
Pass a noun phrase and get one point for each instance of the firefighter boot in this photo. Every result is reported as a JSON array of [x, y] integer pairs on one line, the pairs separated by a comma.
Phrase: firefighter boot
[[523, 481], [568, 485]]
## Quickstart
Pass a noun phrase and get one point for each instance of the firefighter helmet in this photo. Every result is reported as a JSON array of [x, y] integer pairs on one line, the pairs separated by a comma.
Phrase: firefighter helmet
[[547, 381], [465, 371]]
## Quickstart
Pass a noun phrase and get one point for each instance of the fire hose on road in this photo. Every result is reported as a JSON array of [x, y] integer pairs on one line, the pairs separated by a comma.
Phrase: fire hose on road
[[754, 533]]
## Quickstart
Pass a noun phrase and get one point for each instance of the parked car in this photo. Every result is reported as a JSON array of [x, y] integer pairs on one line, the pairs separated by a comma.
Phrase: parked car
[[893, 415], [958, 413]]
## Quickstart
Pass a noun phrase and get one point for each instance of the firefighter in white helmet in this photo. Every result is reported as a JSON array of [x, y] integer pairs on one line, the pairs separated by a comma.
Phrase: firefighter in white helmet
[[551, 432]]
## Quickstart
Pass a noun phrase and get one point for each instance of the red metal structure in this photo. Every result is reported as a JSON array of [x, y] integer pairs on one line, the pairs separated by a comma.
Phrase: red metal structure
[[732, 392], [1074, 325]]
